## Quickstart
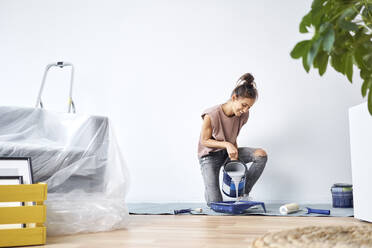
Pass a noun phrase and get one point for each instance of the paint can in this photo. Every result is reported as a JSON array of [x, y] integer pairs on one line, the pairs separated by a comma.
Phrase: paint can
[[232, 169], [342, 195]]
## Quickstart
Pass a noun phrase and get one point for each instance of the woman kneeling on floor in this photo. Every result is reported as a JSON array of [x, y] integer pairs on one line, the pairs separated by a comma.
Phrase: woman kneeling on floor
[[220, 129]]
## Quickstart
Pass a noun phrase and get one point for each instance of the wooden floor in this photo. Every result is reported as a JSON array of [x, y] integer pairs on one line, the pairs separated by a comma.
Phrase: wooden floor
[[192, 231]]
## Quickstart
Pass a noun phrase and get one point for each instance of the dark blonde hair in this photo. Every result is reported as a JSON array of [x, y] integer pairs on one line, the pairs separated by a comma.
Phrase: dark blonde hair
[[246, 87]]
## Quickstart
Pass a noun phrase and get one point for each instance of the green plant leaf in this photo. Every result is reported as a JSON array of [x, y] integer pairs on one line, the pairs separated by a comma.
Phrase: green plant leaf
[[316, 4], [313, 51], [367, 58], [306, 22], [349, 67], [338, 63], [300, 49], [365, 74], [367, 15], [359, 54], [347, 13], [363, 55], [367, 84], [316, 17], [329, 39], [346, 24], [324, 27], [304, 63], [321, 61], [349, 26]]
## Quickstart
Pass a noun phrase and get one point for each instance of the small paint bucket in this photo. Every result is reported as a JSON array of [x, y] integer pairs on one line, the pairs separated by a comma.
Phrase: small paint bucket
[[342, 195], [228, 185]]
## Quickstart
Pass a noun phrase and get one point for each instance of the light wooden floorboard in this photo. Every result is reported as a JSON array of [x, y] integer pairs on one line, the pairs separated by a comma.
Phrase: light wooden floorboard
[[192, 231]]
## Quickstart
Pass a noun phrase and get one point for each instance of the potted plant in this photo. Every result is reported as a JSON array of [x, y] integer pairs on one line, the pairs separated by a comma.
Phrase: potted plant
[[342, 37]]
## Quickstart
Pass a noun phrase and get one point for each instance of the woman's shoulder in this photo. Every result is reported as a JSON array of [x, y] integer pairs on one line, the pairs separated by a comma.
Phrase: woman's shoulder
[[214, 116]]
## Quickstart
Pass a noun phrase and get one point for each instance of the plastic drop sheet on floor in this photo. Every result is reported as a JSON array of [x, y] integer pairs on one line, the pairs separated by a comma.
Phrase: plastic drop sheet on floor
[[272, 209]]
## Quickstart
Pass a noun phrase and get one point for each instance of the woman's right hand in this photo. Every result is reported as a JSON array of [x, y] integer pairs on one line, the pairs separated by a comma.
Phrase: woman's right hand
[[232, 151]]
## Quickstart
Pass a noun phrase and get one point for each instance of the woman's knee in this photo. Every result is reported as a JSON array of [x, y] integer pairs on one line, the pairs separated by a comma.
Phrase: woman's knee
[[260, 155], [246, 151]]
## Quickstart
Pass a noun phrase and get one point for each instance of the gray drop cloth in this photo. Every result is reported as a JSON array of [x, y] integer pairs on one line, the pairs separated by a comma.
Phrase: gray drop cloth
[[272, 209]]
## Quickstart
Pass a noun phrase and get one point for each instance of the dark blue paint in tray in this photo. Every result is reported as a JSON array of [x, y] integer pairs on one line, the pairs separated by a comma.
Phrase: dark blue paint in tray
[[232, 207]]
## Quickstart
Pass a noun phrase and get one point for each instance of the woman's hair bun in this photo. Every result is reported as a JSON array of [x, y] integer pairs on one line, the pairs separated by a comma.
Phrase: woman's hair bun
[[247, 78], [246, 87]]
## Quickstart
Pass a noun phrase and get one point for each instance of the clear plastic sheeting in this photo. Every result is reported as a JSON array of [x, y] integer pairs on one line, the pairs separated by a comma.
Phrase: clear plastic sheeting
[[78, 157], [90, 213]]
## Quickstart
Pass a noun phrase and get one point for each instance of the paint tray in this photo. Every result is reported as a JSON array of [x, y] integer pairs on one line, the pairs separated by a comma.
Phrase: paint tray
[[232, 207]]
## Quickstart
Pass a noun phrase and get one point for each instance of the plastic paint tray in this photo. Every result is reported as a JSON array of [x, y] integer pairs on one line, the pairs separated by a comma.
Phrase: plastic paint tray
[[232, 207]]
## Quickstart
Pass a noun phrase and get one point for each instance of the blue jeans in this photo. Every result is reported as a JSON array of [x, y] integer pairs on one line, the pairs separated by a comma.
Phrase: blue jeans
[[211, 164]]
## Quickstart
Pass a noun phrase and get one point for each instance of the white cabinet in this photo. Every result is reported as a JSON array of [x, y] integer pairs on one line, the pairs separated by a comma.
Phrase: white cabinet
[[361, 160]]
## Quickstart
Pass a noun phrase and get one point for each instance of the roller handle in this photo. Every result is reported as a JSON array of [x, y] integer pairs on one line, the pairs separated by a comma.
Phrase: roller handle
[[318, 211]]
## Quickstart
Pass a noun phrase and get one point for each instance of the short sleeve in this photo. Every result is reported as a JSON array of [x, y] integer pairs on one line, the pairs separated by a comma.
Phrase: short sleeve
[[212, 113], [244, 118]]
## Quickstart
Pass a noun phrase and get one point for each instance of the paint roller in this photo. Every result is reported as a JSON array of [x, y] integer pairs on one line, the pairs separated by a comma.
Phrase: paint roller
[[294, 207]]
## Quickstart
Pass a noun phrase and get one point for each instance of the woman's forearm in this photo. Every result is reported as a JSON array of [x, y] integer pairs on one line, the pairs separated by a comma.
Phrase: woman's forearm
[[214, 143]]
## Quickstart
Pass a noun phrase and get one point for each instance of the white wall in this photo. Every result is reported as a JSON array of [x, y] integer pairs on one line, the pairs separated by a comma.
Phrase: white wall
[[153, 66]]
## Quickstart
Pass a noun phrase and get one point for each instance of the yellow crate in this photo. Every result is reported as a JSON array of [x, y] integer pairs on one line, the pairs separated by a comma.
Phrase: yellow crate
[[28, 214]]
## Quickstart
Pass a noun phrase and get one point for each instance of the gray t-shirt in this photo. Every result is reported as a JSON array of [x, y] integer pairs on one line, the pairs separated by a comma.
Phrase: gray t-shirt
[[224, 128]]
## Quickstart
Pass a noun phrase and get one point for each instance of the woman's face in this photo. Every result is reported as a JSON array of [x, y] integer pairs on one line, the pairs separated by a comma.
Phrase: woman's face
[[241, 104]]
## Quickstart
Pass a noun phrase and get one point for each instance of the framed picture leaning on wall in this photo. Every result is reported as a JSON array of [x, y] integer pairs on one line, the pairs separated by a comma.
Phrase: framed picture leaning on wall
[[17, 166]]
